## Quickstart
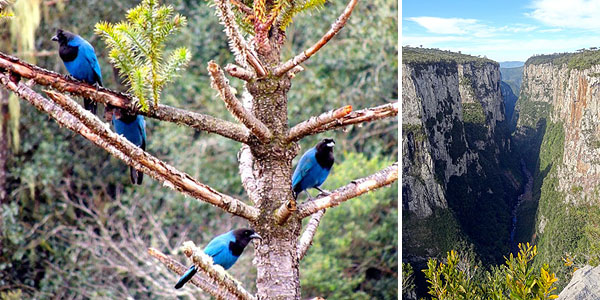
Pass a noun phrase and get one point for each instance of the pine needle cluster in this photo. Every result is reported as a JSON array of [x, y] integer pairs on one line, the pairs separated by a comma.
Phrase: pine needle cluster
[[137, 48]]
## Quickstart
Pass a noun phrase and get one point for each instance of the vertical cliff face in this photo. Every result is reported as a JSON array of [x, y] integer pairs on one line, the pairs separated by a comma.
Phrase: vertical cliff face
[[450, 111], [454, 141], [572, 98], [558, 129]]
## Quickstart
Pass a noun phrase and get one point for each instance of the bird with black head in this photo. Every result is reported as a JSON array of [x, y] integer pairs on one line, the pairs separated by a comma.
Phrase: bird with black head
[[224, 249], [313, 168], [80, 60]]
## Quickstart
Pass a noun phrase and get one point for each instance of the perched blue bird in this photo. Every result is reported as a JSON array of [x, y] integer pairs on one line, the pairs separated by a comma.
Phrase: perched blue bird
[[313, 167], [80, 60], [224, 249], [133, 128]]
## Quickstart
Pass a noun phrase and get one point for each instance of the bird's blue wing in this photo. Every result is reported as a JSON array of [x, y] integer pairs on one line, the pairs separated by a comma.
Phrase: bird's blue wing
[[88, 55], [307, 161], [219, 250]]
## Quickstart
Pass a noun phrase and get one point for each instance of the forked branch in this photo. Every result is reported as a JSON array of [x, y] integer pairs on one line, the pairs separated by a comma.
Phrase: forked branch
[[180, 269], [109, 97], [309, 234], [349, 191], [75, 118], [244, 55], [358, 116], [219, 83], [335, 28], [204, 264]]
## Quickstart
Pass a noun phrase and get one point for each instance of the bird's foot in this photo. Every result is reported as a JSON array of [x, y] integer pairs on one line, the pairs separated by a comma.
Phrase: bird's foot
[[69, 77], [323, 192]]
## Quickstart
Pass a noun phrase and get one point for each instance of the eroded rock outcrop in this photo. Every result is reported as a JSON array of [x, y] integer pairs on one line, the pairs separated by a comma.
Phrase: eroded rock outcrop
[[585, 285]]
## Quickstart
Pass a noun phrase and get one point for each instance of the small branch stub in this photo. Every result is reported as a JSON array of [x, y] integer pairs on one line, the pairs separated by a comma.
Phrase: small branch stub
[[239, 72], [204, 263], [284, 211], [219, 83]]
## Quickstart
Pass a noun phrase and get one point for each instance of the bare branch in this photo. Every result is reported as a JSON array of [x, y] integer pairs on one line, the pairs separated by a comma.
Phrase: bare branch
[[244, 55], [335, 28], [219, 83], [309, 233], [352, 190], [357, 116], [109, 97], [306, 127], [204, 263], [246, 171], [89, 126], [180, 269], [239, 72]]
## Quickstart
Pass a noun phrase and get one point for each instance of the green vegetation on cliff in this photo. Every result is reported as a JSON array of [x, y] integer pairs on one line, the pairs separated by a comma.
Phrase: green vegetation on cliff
[[564, 229], [581, 60], [412, 56]]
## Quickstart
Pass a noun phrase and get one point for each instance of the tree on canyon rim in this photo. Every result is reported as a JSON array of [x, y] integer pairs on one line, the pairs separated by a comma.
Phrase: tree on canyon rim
[[268, 144]]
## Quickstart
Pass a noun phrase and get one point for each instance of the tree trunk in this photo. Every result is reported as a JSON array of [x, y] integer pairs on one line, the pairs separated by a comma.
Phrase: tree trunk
[[276, 260]]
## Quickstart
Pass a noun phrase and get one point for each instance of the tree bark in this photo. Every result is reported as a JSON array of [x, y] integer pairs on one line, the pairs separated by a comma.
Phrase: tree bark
[[276, 260]]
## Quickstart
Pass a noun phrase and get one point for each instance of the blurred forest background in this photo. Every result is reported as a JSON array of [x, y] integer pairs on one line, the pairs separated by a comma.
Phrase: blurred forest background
[[72, 225]]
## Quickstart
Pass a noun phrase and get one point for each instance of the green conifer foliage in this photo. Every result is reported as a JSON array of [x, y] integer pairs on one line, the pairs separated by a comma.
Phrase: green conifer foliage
[[137, 49]]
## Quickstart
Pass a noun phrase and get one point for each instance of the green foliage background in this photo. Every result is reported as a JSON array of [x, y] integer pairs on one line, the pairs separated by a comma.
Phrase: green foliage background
[[63, 189]]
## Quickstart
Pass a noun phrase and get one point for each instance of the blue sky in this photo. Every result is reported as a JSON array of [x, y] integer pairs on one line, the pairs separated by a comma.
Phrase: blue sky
[[502, 30]]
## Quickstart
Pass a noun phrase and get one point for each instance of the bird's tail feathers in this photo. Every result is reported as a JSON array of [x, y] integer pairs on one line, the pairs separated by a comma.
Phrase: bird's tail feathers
[[186, 277], [140, 176], [133, 175]]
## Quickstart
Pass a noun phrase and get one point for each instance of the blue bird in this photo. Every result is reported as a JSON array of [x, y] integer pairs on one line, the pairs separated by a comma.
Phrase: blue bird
[[80, 60], [313, 167], [224, 249], [133, 128]]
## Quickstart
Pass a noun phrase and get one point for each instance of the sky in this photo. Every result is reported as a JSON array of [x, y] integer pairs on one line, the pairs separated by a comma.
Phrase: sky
[[502, 30]]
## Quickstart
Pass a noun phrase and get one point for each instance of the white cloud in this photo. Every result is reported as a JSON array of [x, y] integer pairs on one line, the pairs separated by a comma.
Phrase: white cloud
[[583, 14], [470, 27], [551, 30], [444, 25]]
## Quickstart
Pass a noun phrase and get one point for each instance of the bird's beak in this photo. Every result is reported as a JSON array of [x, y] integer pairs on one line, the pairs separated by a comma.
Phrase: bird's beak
[[55, 38], [331, 144], [256, 236]]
